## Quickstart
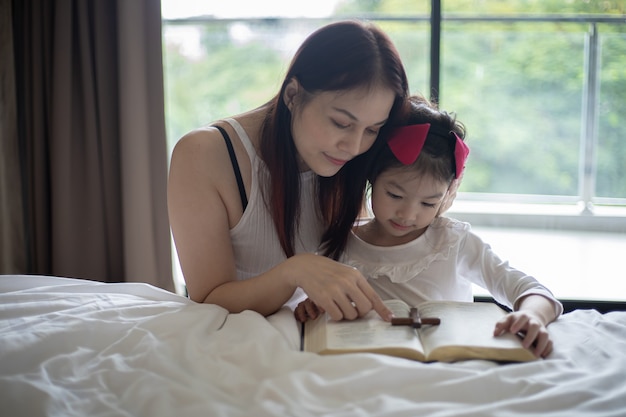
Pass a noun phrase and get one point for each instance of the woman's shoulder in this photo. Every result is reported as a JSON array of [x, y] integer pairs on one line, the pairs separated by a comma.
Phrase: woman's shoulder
[[202, 139], [245, 127], [200, 152], [209, 138], [198, 159]]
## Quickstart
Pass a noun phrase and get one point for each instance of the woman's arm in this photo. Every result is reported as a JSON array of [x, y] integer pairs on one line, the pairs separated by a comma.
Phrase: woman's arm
[[204, 204]]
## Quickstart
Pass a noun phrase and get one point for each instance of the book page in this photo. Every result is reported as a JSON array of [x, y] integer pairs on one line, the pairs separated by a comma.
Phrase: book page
[[369, 333], [469, 327]]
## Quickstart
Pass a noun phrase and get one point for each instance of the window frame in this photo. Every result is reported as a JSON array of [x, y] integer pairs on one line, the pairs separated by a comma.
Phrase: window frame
[[582, 212]]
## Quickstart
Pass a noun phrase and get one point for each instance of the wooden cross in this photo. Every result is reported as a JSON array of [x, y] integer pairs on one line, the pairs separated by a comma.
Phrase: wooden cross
[[414, 320]]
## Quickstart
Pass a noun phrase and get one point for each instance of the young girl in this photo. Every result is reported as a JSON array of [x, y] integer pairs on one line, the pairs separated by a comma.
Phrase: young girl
[[408, 251], [252, 197]]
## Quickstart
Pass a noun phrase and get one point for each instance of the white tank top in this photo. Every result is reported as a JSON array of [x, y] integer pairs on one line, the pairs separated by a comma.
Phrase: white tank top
[[255, 242]]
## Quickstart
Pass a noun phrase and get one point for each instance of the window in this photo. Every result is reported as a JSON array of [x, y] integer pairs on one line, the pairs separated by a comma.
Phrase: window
[[542, 103], [541, 92]]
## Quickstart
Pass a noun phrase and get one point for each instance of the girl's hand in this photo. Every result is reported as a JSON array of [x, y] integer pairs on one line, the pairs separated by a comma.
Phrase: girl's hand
[[307, 310], [335, 288], [530, 327]]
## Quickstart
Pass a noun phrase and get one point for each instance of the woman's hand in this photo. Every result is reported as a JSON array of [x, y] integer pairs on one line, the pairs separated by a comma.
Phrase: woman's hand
[[530, 327], [335, 288]]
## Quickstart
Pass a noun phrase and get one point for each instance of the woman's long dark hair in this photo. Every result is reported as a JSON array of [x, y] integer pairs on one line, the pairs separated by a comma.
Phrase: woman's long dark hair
[[338, 57]]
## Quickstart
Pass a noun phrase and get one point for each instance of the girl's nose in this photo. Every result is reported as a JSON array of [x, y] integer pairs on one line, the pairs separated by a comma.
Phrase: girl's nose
[[406, 212]]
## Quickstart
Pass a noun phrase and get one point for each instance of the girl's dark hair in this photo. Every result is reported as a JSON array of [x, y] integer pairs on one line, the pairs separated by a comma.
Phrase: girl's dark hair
[[437, 156], [338, 57]]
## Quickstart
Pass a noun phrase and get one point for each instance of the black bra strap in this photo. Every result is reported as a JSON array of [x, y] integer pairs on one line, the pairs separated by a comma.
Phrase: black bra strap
[[233, 161]]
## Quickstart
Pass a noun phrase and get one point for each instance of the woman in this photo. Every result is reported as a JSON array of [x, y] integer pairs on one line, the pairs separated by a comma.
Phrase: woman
[[248, 223]]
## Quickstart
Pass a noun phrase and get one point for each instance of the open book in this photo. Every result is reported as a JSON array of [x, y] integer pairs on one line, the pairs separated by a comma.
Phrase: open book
[[465, 332]]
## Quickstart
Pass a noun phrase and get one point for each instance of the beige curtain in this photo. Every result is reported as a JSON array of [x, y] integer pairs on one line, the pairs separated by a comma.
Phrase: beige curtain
[[91, 141]]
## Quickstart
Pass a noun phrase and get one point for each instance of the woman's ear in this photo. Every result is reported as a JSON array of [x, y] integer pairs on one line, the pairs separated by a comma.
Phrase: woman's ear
[[290, 93]]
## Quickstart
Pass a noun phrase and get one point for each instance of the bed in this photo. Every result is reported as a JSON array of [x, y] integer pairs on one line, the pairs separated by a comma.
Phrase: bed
[[79, 348]]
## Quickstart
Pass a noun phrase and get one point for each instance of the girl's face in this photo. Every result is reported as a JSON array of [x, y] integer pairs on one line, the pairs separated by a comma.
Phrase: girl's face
[[331, 128], [404, 204]]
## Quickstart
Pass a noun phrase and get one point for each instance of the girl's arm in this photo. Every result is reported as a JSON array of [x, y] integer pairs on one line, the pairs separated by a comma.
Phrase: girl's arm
[[204, 204], [533, 310]]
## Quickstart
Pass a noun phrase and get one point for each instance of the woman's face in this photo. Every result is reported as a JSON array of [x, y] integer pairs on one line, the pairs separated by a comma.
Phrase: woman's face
[[331, 128]]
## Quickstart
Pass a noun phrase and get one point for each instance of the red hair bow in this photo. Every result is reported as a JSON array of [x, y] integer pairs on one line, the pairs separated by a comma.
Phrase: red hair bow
[[407, 142]]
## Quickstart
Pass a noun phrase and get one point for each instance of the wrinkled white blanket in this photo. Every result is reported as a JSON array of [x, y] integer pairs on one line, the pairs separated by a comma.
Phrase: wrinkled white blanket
[[80, 348]]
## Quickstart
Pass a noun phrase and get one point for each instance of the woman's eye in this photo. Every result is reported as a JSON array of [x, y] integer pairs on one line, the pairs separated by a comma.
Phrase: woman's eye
[[373, 132], [340, 125]]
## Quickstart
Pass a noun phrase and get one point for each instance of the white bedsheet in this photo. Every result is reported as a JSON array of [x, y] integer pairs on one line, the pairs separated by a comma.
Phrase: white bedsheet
[[79, 348]]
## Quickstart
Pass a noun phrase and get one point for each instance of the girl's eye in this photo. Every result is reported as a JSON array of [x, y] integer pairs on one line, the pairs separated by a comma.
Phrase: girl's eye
[[394, 196], [429, 205]]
